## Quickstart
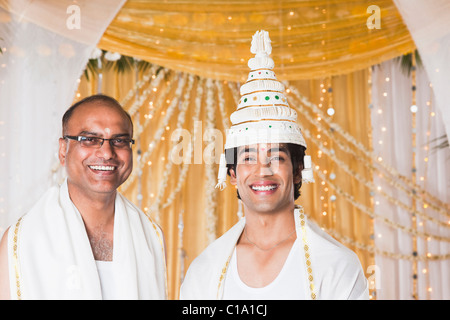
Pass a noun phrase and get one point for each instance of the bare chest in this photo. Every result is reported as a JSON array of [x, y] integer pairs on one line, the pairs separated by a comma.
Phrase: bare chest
[[102, 244]]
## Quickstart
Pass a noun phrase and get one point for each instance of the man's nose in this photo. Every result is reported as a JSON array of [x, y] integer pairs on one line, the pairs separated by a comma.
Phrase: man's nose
[[106, 151], [264, 166]]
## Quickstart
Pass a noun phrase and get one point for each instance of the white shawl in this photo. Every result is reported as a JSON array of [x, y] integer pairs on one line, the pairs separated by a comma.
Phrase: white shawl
[[50, 256], [335, 271]]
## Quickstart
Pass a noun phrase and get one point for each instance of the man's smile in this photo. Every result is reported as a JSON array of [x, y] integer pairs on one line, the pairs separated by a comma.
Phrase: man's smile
[[103, 170], [266, 187]]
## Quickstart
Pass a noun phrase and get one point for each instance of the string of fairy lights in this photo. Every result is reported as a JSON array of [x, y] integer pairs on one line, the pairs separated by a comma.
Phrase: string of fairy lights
[[413, 109], [372, 282], [165, 93], [417, 212]]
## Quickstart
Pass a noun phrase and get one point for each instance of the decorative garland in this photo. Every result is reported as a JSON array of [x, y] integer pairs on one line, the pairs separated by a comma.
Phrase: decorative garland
[[374, 215], [138, 86], [210, 196], [371, 214], [158, 134], [370, 184], [184, 170], [223, 113], [161, 98], [394, 175], [156, 207], [173, 104]]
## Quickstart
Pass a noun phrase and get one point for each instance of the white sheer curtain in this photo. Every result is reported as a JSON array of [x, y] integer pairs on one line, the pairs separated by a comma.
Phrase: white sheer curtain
[[429, 25], [393, 130], [46, 45]]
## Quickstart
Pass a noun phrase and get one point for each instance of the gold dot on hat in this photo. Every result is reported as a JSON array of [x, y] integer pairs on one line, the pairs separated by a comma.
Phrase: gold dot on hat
[[257, 91]]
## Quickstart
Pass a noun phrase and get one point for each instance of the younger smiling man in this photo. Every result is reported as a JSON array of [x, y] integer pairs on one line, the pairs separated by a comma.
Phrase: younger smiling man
[[274, 252], [84, 240]]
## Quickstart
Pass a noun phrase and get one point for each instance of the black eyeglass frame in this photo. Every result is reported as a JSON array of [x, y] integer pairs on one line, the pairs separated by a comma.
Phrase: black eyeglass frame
[[81, 139]]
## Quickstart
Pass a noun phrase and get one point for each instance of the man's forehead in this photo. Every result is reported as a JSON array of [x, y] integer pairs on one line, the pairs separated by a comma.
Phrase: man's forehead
[[102, 112], [269, 147], [97, 106]]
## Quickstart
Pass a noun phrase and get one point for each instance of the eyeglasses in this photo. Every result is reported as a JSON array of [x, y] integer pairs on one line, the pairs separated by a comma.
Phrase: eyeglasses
[[95, 142]]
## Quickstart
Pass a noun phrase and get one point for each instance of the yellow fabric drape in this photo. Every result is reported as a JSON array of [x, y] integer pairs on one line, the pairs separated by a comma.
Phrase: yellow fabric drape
[[310, 38], [198, 210]]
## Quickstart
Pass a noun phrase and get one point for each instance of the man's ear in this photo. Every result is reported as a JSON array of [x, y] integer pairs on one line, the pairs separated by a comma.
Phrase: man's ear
[[233, 177], [62, 151], [298, 175]]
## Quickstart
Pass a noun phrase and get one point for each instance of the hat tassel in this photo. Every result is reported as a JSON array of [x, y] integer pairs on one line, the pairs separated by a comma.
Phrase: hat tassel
[[307, 173], [222, 175]]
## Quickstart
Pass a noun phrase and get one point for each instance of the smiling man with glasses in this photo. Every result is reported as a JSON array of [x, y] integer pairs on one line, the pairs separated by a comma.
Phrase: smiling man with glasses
[[84, 240]]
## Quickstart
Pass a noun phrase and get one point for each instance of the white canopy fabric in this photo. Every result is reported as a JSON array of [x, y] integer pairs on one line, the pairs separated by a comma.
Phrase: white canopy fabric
[[405, 144], [428, 23]]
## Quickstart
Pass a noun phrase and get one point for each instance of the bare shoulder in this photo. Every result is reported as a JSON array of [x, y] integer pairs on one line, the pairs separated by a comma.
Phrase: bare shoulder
[[4, 273]]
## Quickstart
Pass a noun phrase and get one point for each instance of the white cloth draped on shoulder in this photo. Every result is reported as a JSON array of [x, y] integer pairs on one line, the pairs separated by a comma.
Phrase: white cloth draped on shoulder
[[336, 271], [50, 256]]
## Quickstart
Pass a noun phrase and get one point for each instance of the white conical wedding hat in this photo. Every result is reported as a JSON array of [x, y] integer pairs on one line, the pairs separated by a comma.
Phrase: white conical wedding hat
[[263, 114]]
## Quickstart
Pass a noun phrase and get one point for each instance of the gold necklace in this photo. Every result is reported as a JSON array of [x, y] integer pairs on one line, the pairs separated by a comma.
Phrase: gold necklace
[[271, 248]]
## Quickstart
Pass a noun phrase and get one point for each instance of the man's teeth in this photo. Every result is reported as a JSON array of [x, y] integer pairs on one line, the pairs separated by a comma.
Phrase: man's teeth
[[263, 188], [102, 168]]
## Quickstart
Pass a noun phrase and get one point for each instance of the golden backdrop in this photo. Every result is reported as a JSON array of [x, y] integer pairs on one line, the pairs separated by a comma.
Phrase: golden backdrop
[[310, 38]]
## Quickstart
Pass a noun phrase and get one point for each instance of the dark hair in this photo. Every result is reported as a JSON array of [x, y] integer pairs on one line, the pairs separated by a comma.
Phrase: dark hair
[[297, 152], [96, 98]]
